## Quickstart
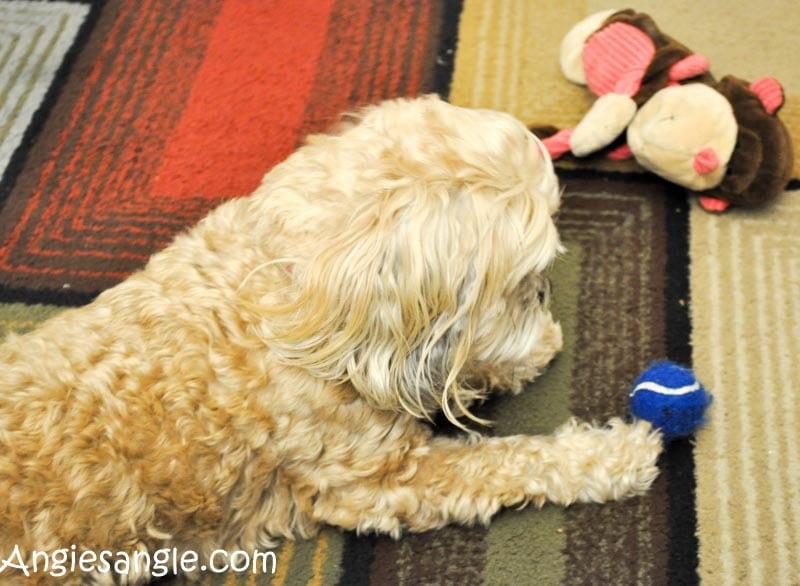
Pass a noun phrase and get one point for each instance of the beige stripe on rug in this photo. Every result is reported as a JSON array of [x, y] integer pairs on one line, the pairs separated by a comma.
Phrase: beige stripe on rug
[[34, 38], [745, 281]]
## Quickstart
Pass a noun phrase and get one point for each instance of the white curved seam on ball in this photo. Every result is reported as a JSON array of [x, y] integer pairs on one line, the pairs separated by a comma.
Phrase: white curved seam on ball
[[661, 389]]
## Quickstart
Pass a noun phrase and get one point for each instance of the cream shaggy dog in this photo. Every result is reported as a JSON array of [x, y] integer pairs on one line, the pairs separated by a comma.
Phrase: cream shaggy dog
[[273, 368]]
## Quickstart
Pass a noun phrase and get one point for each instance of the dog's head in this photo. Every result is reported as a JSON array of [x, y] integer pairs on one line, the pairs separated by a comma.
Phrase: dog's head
[[421, 232]]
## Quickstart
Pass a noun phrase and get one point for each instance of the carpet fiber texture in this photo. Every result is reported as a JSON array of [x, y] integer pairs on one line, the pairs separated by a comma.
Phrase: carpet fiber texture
[[123, 122]]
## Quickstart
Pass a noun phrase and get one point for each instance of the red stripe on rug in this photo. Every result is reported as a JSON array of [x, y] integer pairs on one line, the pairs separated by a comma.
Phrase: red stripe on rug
[[173, 107], [375, 49], [118, 101], [247, 103]]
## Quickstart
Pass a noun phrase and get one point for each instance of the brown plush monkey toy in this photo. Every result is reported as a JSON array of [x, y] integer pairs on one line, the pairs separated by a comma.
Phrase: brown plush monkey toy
[[658, 102]]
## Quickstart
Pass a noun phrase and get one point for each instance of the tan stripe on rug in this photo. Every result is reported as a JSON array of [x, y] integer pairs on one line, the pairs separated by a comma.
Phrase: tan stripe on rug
[[746, 315]]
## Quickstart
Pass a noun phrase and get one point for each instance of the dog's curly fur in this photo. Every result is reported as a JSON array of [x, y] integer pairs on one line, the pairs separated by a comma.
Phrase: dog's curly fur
[[271, 370]]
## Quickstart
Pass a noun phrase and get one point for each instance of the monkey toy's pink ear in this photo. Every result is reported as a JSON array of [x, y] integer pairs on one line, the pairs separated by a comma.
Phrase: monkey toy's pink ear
[[770, 92]]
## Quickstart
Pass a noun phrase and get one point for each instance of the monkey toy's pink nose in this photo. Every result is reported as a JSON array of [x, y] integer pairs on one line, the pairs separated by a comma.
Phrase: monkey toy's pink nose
[[706, 161]]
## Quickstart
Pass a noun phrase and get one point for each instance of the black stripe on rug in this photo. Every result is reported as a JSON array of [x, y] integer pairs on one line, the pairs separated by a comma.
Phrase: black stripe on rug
[[446, 56], [678, 459], [357, 557]]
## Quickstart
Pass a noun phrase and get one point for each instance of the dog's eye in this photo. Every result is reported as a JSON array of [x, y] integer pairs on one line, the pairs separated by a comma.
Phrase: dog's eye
[[543, 294], [535, 289]]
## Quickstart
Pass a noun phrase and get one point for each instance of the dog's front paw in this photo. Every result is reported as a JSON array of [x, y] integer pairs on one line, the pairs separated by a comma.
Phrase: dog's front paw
[[585, 463]]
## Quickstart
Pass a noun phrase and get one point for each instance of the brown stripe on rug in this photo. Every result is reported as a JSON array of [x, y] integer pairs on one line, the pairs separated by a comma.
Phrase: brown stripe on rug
[[620, 226], [451, 555], [610, 294]]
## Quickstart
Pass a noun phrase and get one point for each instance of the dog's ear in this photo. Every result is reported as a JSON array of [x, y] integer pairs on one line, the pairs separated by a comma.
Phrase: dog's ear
[[391, 301], [385, 302]]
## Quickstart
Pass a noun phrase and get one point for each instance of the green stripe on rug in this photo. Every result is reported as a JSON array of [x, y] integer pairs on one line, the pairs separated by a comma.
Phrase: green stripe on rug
[[518, 539], [331, 563], [316, 562], [21, 318]]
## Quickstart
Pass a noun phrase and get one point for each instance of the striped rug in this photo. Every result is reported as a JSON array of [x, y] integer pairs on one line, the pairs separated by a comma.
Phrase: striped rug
[[124, 121]]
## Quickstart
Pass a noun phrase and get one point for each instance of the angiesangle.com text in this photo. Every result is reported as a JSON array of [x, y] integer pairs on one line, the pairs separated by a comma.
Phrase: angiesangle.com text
[[157, 564]]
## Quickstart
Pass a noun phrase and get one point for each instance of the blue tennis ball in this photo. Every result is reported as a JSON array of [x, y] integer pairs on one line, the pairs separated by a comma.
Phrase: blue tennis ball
[[671, 398]]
